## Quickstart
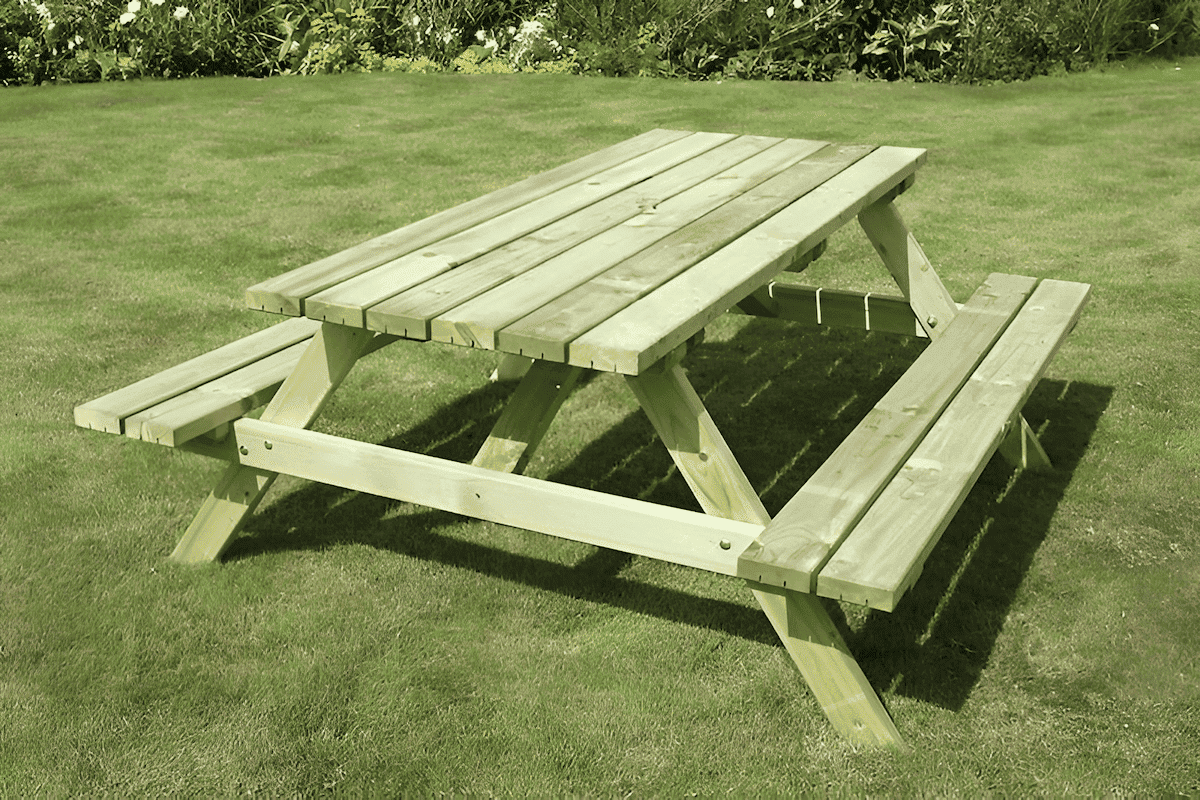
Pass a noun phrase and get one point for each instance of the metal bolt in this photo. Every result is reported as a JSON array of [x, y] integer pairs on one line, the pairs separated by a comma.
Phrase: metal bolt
[[932, 321], [726, 544], [268, 445], [244, 450]]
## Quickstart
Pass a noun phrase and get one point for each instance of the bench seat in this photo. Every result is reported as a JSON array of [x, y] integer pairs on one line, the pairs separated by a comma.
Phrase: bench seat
[[862, 526], [200, 395]]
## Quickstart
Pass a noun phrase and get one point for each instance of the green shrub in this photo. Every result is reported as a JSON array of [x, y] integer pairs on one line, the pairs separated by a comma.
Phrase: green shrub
[[80, 40], [950, 40]]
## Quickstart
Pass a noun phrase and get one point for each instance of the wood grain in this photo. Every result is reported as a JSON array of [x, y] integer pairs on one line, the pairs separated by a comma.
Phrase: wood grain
[[811, 526], [285, 294], [886, 551]]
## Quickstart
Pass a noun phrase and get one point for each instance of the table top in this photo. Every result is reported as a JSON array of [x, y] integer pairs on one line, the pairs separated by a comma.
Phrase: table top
[[607, 262]]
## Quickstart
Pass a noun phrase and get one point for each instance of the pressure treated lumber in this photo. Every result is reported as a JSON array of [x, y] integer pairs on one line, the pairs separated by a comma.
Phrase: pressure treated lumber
[[411, 311], [904, 258], [321, 369], [722, 489], [886, 551], [344, 303], [285, 294], [636, 337], [582, 515], [478, 321], [109, 412], [547, 331], [811, 526], [527, 416], [809, 305]]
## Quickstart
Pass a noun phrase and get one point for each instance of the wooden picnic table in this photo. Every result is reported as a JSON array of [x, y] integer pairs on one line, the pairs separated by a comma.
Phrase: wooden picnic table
[[616, 262]]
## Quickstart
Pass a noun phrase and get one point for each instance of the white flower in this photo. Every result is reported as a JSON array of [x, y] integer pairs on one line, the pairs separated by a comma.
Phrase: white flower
[[42, 11], [181, 12], [511, 30], [126, 18], [1153, 26], [157, 2], [480, 35], [797, 3], [770, 11]]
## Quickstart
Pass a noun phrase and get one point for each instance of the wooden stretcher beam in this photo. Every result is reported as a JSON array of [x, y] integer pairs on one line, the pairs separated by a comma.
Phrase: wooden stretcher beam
[[581, 515], [837, 308]]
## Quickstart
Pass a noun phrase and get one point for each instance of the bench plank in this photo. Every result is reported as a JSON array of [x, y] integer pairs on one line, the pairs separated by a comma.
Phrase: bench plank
[[886, 551], [285, 294], [547, 332], [477, 321], [108, 413], [345, 302], [411, 311], [805, 533], [200, 410], [641, 334]]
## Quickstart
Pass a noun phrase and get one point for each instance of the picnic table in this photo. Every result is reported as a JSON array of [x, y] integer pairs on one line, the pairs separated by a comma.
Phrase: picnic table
[[615, 262]]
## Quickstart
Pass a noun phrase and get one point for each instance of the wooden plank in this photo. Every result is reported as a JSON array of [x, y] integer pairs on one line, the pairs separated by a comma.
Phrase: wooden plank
[[638, 336], [411, 311], [809, 528], [285, 294], [631, 526], [547, 332], [722, 489], [813, 306], [887, 550], [829, 668], [202, 409], [345, 302], [527, 416], [910, 268], [477, 321], [109, 412], [323, 366]]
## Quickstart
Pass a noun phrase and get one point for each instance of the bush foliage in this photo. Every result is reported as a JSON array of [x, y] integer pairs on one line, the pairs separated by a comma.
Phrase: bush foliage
[[955, 40]]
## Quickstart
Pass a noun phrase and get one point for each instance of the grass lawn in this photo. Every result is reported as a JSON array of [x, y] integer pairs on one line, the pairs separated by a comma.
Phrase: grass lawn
[[353, 644]]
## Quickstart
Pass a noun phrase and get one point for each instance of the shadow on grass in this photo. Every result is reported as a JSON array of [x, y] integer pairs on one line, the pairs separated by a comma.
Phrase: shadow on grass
[[784, 397]]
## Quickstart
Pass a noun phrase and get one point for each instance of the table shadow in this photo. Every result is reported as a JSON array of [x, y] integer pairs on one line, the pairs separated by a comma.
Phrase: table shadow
[[784, 396]]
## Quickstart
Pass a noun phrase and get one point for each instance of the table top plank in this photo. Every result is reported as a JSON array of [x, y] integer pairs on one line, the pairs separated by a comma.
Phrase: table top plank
[[476, 321], [410, 312], [639, 335], [286, 293], [344, 303], [885, 553], [547, 332]]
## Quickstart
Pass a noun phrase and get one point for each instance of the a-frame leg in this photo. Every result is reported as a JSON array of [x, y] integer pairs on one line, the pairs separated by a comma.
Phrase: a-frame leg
[[321, 369], [812, 640], [904, 258], [1022, 449], [934, 307], [527, 416]]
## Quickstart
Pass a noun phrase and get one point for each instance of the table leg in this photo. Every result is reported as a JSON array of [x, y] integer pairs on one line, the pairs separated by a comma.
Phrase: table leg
[[1022, 449], [934, 307], [527, 416], [905, 259], [321, 369], [808, 633]]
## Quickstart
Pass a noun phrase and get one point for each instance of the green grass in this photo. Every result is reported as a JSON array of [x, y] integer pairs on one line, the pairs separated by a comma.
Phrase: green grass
[[352, 644]]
